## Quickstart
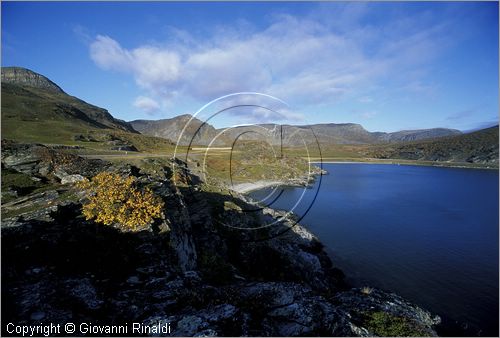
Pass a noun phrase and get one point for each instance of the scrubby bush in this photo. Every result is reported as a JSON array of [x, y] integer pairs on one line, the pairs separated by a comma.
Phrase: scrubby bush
[[116, 200], [366, 290]]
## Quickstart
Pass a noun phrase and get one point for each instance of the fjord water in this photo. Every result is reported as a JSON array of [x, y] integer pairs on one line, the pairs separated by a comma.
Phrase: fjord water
[[429, 234]]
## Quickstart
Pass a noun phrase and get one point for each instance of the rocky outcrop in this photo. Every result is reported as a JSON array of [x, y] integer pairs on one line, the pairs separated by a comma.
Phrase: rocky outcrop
[[360, 304], [25, 77], [42, 162]]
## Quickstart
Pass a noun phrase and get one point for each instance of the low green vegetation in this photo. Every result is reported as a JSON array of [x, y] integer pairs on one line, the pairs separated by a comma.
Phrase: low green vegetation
[[16, 184], [18, 181], [386, 325], [254, 160]]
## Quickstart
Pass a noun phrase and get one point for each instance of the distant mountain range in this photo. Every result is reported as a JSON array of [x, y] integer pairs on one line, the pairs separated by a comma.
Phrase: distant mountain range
[[35, 109], [329, 133]]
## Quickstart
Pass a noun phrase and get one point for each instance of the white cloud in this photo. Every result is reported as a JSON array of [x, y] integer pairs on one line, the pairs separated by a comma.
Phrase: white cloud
[[108, 54], [146, 104], [153, 68], [304, 61]]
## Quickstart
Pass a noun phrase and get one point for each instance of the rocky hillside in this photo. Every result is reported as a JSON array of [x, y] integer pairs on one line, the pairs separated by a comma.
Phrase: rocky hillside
[[295, 136], [339, 133], [477, 147], [196, 132], [33, 105], [416, 135], [193, 269]]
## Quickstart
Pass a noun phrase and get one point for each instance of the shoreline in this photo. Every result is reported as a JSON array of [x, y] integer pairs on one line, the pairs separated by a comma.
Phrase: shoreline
[[244, 188], [446, 325], [430, 164]]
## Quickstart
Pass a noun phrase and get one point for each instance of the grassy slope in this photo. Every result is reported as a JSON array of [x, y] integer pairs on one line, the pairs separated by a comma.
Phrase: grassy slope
[[40, 116], [30, 115]]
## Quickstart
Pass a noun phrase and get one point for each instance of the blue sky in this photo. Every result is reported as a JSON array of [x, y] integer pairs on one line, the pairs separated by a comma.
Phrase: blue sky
[[388, 66]]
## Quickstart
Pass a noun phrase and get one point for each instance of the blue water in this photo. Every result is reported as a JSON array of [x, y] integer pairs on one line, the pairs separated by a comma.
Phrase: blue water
[[429, 234]]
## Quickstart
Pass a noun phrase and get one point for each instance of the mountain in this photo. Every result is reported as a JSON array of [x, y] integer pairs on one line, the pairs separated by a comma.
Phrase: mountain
[[36, 109], [333, 133], [293, 136], [477, 147], [196, 132]]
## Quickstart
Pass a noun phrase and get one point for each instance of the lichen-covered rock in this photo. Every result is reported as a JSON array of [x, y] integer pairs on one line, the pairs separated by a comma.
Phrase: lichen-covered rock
[[70, 179]]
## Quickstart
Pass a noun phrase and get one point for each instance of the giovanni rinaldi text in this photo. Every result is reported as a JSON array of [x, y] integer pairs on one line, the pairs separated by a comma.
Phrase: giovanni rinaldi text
[[49, 329]]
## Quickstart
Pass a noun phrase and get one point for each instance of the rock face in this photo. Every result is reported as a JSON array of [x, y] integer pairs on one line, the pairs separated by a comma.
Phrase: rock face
[[25, 77], [195, 269]]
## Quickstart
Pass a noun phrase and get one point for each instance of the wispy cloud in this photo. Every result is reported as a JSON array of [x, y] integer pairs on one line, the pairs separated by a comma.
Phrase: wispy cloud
[[83, 34], [463, 114], [250, 108], [481, 125]]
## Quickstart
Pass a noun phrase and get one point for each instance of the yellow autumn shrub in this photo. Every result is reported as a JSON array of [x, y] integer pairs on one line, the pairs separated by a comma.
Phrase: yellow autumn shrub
[[116, 200]]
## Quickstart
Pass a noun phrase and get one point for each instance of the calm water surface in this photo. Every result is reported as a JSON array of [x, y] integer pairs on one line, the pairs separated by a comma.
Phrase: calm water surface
[[429, 234]]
